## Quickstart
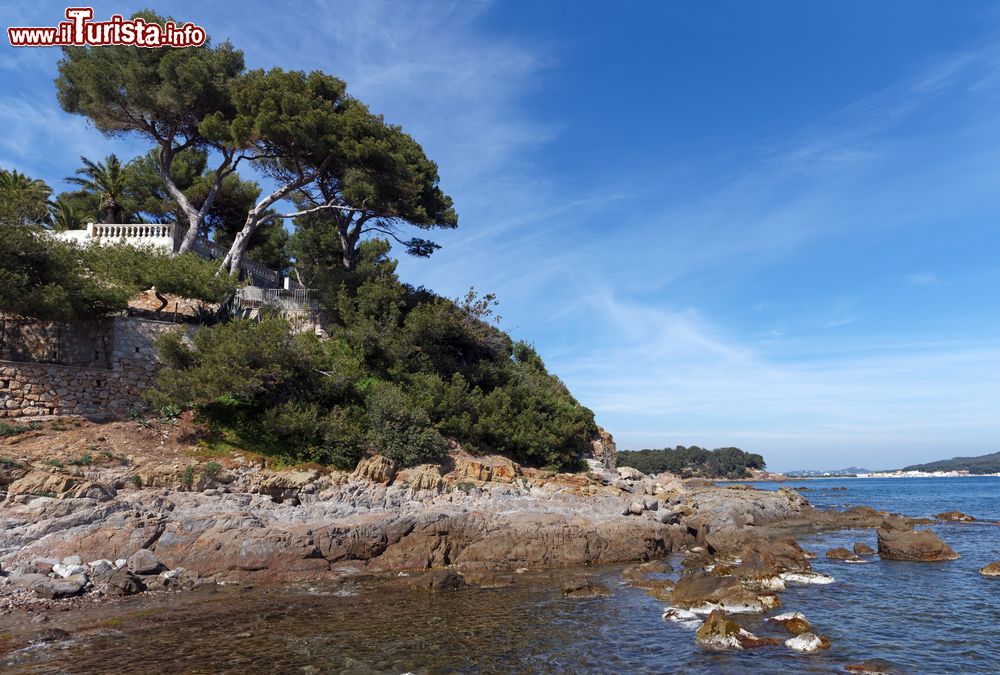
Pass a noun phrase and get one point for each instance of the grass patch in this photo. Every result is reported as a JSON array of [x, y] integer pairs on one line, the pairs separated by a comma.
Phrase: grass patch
[[10, 429], [86, 459], [54, 462]]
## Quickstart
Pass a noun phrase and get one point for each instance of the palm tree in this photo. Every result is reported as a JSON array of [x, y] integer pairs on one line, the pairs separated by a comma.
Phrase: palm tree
[[24, 199], [109, 181], [65, 215]]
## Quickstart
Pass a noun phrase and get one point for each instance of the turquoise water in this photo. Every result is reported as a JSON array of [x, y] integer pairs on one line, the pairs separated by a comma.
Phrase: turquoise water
[[922, 617]]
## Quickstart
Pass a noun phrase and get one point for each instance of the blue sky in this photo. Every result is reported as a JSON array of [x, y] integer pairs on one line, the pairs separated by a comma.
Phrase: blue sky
[[771, 225]]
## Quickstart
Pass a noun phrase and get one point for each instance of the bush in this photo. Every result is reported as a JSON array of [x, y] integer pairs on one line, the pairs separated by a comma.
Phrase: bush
[[400, 431]]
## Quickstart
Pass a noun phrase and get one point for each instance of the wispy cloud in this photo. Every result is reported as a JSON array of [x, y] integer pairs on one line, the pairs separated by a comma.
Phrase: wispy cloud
[[922, 279]]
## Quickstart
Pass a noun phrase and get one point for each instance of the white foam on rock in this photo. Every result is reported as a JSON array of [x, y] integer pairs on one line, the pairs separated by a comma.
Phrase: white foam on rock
[[788, 616], [684, 617], [807, 578], [805, 642]]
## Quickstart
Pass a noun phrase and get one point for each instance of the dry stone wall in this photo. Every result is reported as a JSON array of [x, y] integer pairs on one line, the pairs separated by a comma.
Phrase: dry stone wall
[[40, 389]]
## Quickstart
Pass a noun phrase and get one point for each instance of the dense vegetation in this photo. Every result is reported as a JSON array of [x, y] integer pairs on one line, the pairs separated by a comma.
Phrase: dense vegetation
[[977, 465], [693, 461], [402, 371], [52, 280]]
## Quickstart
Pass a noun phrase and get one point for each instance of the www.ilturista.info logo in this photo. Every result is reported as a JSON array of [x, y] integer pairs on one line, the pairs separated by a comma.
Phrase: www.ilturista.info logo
[[80, 30]]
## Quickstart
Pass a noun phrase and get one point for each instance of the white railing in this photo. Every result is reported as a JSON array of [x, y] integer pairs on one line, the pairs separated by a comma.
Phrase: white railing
[[140, 231]]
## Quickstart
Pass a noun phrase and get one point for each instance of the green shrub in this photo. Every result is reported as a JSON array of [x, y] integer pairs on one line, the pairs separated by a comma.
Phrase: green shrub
[[8, 429], [400, 431], [211, 469]]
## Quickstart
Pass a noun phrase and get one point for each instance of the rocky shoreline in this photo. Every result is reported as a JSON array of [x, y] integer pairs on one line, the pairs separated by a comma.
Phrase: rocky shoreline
[[151, 516]]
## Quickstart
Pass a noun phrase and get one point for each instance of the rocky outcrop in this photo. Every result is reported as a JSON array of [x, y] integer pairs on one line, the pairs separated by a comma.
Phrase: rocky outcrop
[[897, 540], [720, 632], [603, 449], [955, 517], [794, 622]]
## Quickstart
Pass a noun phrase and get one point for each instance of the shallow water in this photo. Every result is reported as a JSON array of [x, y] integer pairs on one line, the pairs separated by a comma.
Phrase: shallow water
[[922, 617]]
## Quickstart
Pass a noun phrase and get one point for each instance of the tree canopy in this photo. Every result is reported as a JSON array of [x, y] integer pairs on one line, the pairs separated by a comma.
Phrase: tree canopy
[[693, 461]]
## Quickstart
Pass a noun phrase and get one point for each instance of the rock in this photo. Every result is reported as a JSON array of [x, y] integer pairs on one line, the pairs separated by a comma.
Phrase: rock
[[603, 449], [282, 486], [584, 587], [123, 582], [29, 580], [635, 509], [991, 570], [794, 622], [840, 553], [955, 517], [72, 560], [706, 591], [651, 504], [807, 642], [668, 517], [629, 473], [719, 632], [42, 565], [377, 469], [872, 667], [424, 477], [49, 635], [65, 571], [61, 588], [897, 540], [438, 581], [101, 568], [863, 549], [145, 561]]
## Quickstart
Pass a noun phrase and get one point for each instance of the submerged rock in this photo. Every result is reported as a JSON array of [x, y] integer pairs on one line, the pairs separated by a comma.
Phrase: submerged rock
[[720, 632], [955, 517], [684, 617], [707, 591], [438, 581], [584, 587], [897, 540], [991, 570]]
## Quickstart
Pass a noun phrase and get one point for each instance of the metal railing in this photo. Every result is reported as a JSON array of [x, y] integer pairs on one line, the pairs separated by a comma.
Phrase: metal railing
[[252, 297]]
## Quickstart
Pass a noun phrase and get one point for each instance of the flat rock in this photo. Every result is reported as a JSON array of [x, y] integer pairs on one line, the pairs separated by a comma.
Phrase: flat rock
[[55, 589]]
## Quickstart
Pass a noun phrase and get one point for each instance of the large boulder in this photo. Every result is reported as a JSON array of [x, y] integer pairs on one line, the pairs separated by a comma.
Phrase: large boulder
[[720, 632], [897, 540], [123, 582], [861, 548]]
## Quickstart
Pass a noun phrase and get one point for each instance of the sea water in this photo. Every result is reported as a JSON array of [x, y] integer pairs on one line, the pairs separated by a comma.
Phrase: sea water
[[919, 617]]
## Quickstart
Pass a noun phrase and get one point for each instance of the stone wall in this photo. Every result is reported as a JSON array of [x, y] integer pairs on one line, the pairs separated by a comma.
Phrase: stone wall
[[40, 389]]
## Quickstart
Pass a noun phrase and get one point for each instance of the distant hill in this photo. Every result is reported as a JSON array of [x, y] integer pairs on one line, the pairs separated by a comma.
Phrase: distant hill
[[811, 473], [693, 462], [981, 464]]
